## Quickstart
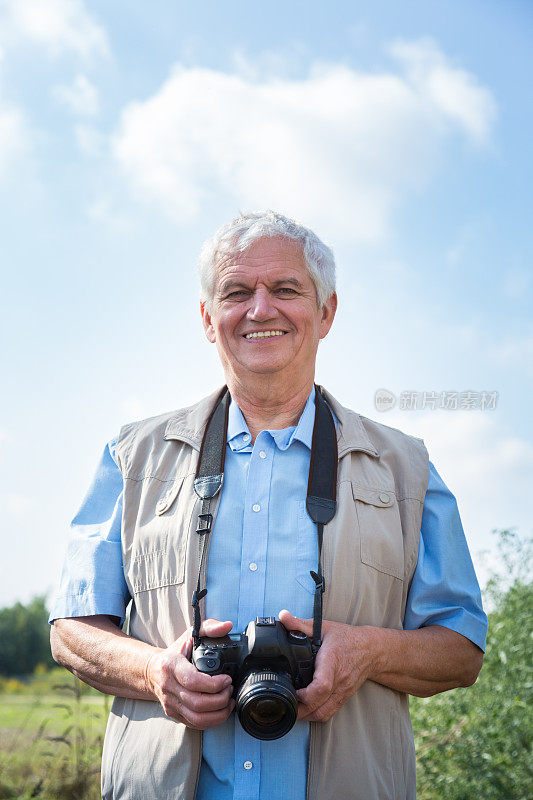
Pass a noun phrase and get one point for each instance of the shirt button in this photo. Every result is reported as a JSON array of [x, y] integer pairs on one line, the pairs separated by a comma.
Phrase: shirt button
[[384, 497], [247, 765], [246, 437], [262, 454], [256, 507], [253, 566]]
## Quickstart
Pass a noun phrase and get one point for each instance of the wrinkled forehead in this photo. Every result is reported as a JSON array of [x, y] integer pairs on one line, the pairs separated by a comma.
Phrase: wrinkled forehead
[[272, 258]]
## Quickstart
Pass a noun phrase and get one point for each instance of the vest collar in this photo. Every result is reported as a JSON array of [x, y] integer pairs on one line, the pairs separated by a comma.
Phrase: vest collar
[[351, 433], [188, 425]]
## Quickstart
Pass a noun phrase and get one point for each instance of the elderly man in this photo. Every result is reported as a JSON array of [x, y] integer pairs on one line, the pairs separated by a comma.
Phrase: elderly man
[[401, 610]]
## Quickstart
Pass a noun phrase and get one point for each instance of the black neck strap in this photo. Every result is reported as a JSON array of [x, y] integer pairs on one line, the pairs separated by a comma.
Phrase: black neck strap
[[321, 491]]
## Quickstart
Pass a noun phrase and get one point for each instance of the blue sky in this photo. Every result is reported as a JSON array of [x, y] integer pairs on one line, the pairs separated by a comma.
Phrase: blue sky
[[129, 132]]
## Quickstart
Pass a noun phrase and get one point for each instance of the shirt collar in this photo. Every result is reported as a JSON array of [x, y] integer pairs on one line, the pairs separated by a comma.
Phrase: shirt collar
[[355, 434], [239, 435]]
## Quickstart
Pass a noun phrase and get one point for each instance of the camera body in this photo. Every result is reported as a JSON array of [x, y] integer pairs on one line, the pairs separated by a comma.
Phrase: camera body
[[267, 664], [265, 645]]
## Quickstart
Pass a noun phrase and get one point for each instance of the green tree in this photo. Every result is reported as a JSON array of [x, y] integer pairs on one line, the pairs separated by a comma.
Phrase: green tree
[[24, 638], [476, 742]]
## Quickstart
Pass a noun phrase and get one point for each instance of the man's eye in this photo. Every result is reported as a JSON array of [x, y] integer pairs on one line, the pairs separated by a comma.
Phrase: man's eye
[[237, 293], [286, 290]]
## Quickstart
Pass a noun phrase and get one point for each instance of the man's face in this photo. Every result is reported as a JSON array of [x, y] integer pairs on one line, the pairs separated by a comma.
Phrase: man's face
[[267, 290]]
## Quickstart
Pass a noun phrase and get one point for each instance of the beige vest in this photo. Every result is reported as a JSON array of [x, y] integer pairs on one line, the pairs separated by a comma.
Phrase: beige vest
[[366, 751]]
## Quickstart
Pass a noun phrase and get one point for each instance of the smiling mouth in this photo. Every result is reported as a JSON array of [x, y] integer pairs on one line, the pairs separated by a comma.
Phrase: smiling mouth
[[264, 334]]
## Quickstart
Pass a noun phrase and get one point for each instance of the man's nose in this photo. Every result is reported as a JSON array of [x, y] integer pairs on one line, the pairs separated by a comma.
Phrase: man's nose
[[261, 305]]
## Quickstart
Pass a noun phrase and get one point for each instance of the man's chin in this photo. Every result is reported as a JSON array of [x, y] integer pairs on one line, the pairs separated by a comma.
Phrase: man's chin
[[266, 367]]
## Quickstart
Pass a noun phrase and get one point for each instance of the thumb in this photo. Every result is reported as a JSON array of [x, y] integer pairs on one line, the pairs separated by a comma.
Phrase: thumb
[[210, 627], [293, 623], [215, 628]]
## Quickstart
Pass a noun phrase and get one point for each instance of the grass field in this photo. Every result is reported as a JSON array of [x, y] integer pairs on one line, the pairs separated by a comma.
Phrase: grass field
[[470, 743], [51, 733]]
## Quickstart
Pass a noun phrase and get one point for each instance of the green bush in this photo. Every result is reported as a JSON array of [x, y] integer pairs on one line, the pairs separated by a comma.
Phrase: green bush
[[476, 742]]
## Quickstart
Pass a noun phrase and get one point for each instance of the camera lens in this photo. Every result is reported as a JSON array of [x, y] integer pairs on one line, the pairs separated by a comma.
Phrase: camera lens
[[267, 710], [266, 704]]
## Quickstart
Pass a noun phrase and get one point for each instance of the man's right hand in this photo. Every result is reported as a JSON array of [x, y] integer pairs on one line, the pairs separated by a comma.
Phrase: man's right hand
[[199, 701]]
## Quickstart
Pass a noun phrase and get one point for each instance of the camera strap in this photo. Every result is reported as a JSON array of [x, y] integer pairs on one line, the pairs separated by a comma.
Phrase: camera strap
[[207, 484], [321, 502]]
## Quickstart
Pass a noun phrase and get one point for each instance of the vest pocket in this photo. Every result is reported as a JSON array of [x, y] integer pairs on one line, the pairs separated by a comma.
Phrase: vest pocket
[[380, 529], [164, 567], [158, 553]]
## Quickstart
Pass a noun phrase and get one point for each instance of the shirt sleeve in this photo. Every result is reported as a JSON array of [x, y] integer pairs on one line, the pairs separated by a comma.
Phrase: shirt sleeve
[[444, 590], [92, 579]]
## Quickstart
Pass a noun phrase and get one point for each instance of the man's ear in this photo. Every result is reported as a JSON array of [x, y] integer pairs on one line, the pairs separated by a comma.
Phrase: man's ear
[[328, 315], [208, 325]]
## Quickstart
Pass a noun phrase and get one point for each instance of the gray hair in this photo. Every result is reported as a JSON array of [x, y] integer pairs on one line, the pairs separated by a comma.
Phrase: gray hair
[[239, 234]]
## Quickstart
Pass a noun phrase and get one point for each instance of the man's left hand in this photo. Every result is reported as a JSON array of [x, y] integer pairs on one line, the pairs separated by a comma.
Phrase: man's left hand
[[343, 663]]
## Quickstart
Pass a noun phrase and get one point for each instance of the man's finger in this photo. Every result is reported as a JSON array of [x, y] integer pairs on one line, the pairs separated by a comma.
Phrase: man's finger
[[319, 689], [202, 702], [214, 627], [210, 627], [183, 644], [193, 680], [211, 719], [293, 623], [323, 712]]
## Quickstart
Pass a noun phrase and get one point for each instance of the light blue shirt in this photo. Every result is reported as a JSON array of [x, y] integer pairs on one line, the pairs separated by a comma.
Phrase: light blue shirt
[[258, 566]]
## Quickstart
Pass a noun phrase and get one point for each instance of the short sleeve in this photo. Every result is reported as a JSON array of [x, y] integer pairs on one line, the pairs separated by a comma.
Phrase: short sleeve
[[444, 590], [92, 579]]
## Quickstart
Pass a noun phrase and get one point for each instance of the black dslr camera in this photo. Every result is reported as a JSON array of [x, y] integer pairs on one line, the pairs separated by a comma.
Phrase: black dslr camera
[[267, 664]]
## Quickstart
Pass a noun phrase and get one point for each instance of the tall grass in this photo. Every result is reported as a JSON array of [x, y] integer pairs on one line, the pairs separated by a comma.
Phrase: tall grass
[[52, 734]]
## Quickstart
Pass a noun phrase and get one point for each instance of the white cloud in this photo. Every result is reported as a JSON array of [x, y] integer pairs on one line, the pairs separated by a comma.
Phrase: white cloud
[[338, 148], [14, 135], [56, 25], [81, 97], [487, 468], [455, 93], [269, 64]]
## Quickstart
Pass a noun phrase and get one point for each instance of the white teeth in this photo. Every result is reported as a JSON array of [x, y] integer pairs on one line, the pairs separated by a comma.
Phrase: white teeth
[[263, 334]]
